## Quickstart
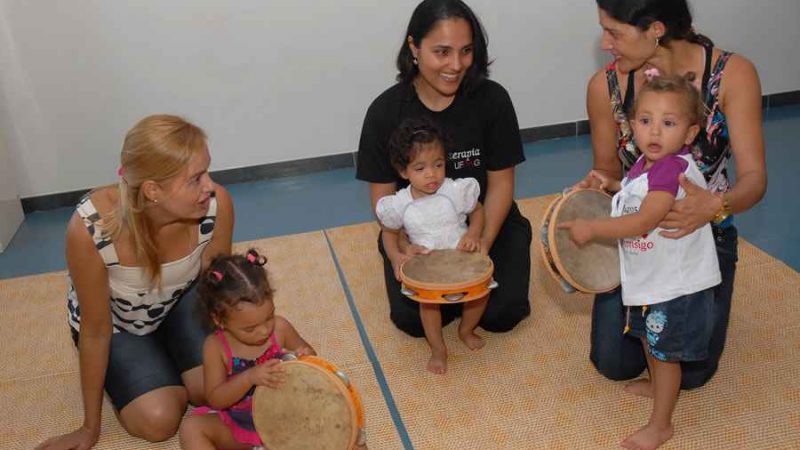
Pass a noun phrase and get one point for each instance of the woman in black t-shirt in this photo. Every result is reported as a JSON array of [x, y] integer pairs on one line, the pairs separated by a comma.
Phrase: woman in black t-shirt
[[443, 69]]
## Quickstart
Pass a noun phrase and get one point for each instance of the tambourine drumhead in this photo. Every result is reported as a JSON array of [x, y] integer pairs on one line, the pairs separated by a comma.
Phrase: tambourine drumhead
[[442, 273], [592, 268], [312, 410]]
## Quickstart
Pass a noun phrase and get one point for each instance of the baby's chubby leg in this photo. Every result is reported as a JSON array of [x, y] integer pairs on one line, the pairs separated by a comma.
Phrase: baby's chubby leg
[[471, 315], [665, 384], [207, 432], [431, 317]]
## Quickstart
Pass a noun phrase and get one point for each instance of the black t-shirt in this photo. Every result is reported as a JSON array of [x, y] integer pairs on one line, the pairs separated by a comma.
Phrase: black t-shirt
[[482, 128]]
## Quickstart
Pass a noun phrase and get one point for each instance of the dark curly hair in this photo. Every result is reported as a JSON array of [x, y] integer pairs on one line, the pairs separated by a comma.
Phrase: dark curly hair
[[409, 138], [231, 279], [681, 85]]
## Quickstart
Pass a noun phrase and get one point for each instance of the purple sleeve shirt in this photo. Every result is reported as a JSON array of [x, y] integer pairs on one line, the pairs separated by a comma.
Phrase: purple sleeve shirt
[[663, 175]]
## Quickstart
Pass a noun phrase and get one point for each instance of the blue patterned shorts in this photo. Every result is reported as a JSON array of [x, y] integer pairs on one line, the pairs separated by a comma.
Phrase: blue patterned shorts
[[676, 330]]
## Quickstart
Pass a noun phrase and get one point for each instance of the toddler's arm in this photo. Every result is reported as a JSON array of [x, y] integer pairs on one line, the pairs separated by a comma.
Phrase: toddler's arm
[[391, 240], [290, 339], [471, 241], [223, 392]]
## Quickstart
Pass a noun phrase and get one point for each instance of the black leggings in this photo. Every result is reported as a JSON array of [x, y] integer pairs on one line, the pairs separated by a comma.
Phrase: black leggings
[[140, 364], [508, 303]]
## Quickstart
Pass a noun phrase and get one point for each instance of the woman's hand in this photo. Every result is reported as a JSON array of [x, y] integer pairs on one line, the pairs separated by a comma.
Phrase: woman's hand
[[690, 213], [81, 439], [580, 231], [269, 374]]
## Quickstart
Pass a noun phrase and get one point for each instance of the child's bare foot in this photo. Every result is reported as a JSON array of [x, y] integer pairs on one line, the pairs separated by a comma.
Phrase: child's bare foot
[[472, 340], [438, 362], [649, 437], [642, 388]]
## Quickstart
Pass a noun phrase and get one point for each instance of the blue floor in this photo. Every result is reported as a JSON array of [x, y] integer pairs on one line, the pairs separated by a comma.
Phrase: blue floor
[[334, 198]]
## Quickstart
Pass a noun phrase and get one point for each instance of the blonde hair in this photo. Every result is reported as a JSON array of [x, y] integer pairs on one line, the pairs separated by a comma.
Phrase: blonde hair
[[156, 149]]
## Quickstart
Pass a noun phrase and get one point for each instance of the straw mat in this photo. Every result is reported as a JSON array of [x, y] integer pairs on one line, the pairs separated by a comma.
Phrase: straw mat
[[535, 387], [531, 388], [39, 381]]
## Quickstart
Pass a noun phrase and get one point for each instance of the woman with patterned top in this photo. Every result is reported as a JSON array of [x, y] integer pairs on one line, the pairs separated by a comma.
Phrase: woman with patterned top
[[656, 37], [134, 251]]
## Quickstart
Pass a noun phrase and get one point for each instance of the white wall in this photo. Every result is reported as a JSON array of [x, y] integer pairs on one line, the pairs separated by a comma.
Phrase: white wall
[[10, 208], [280, 80]]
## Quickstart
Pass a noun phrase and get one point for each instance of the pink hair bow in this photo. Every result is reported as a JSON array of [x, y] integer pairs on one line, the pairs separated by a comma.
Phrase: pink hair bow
[[651, 73]]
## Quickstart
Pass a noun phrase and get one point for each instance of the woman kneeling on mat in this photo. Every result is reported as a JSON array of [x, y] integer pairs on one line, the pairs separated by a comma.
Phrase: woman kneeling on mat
[[134, 252], [443, 69], [657, 34], [433, 211]]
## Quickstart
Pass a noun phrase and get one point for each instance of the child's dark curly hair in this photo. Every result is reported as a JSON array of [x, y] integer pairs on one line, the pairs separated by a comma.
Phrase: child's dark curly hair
[[680, 85], [410, 137], [231, 279]]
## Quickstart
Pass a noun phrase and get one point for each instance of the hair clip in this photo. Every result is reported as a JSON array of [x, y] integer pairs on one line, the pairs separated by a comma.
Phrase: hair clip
[[251, 258], [416, 132], [651, 73], [217, 274]]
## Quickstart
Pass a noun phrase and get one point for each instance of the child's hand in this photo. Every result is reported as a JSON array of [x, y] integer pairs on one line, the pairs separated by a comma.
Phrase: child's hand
[[397, 262], [414, 250], [408, 252], [305, 351], [606, 182], [269, 374], [302, 351], [469, 244], [580, 231]]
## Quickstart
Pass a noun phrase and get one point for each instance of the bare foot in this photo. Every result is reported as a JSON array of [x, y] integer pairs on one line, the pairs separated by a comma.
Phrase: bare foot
[[642, 388], [649, 437], [438, 362], [472, 340]]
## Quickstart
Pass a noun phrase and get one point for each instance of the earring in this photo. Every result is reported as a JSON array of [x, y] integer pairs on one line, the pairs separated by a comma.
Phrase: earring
[[658, 39], [415, 61], [155, 200]]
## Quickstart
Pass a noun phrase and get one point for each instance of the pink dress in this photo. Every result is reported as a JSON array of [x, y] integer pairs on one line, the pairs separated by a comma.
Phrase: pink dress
[[239, 417]]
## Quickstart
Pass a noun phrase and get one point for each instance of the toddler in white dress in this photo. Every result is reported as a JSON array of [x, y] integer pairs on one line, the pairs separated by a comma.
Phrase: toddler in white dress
[[433, 212]]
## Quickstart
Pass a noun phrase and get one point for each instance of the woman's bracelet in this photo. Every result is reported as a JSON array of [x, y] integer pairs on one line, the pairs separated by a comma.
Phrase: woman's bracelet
[[724, 211]]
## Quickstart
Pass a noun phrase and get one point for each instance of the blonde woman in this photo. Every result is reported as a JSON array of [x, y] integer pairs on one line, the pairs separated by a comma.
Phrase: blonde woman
[[134, 251]]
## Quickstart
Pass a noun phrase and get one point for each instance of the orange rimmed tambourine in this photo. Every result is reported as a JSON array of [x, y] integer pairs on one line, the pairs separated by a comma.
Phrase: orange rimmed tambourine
[[316, 407], [447, 276]]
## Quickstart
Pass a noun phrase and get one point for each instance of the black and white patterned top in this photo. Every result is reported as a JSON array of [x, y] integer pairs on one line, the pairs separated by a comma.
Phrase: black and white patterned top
[[136, 307]]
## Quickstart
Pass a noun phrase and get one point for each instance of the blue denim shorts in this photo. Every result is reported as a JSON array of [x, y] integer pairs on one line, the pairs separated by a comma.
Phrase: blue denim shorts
[[140, 364], [676, 330]]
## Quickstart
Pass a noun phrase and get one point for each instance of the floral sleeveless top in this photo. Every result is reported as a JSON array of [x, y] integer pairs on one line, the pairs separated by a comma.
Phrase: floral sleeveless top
[[711, 150]]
